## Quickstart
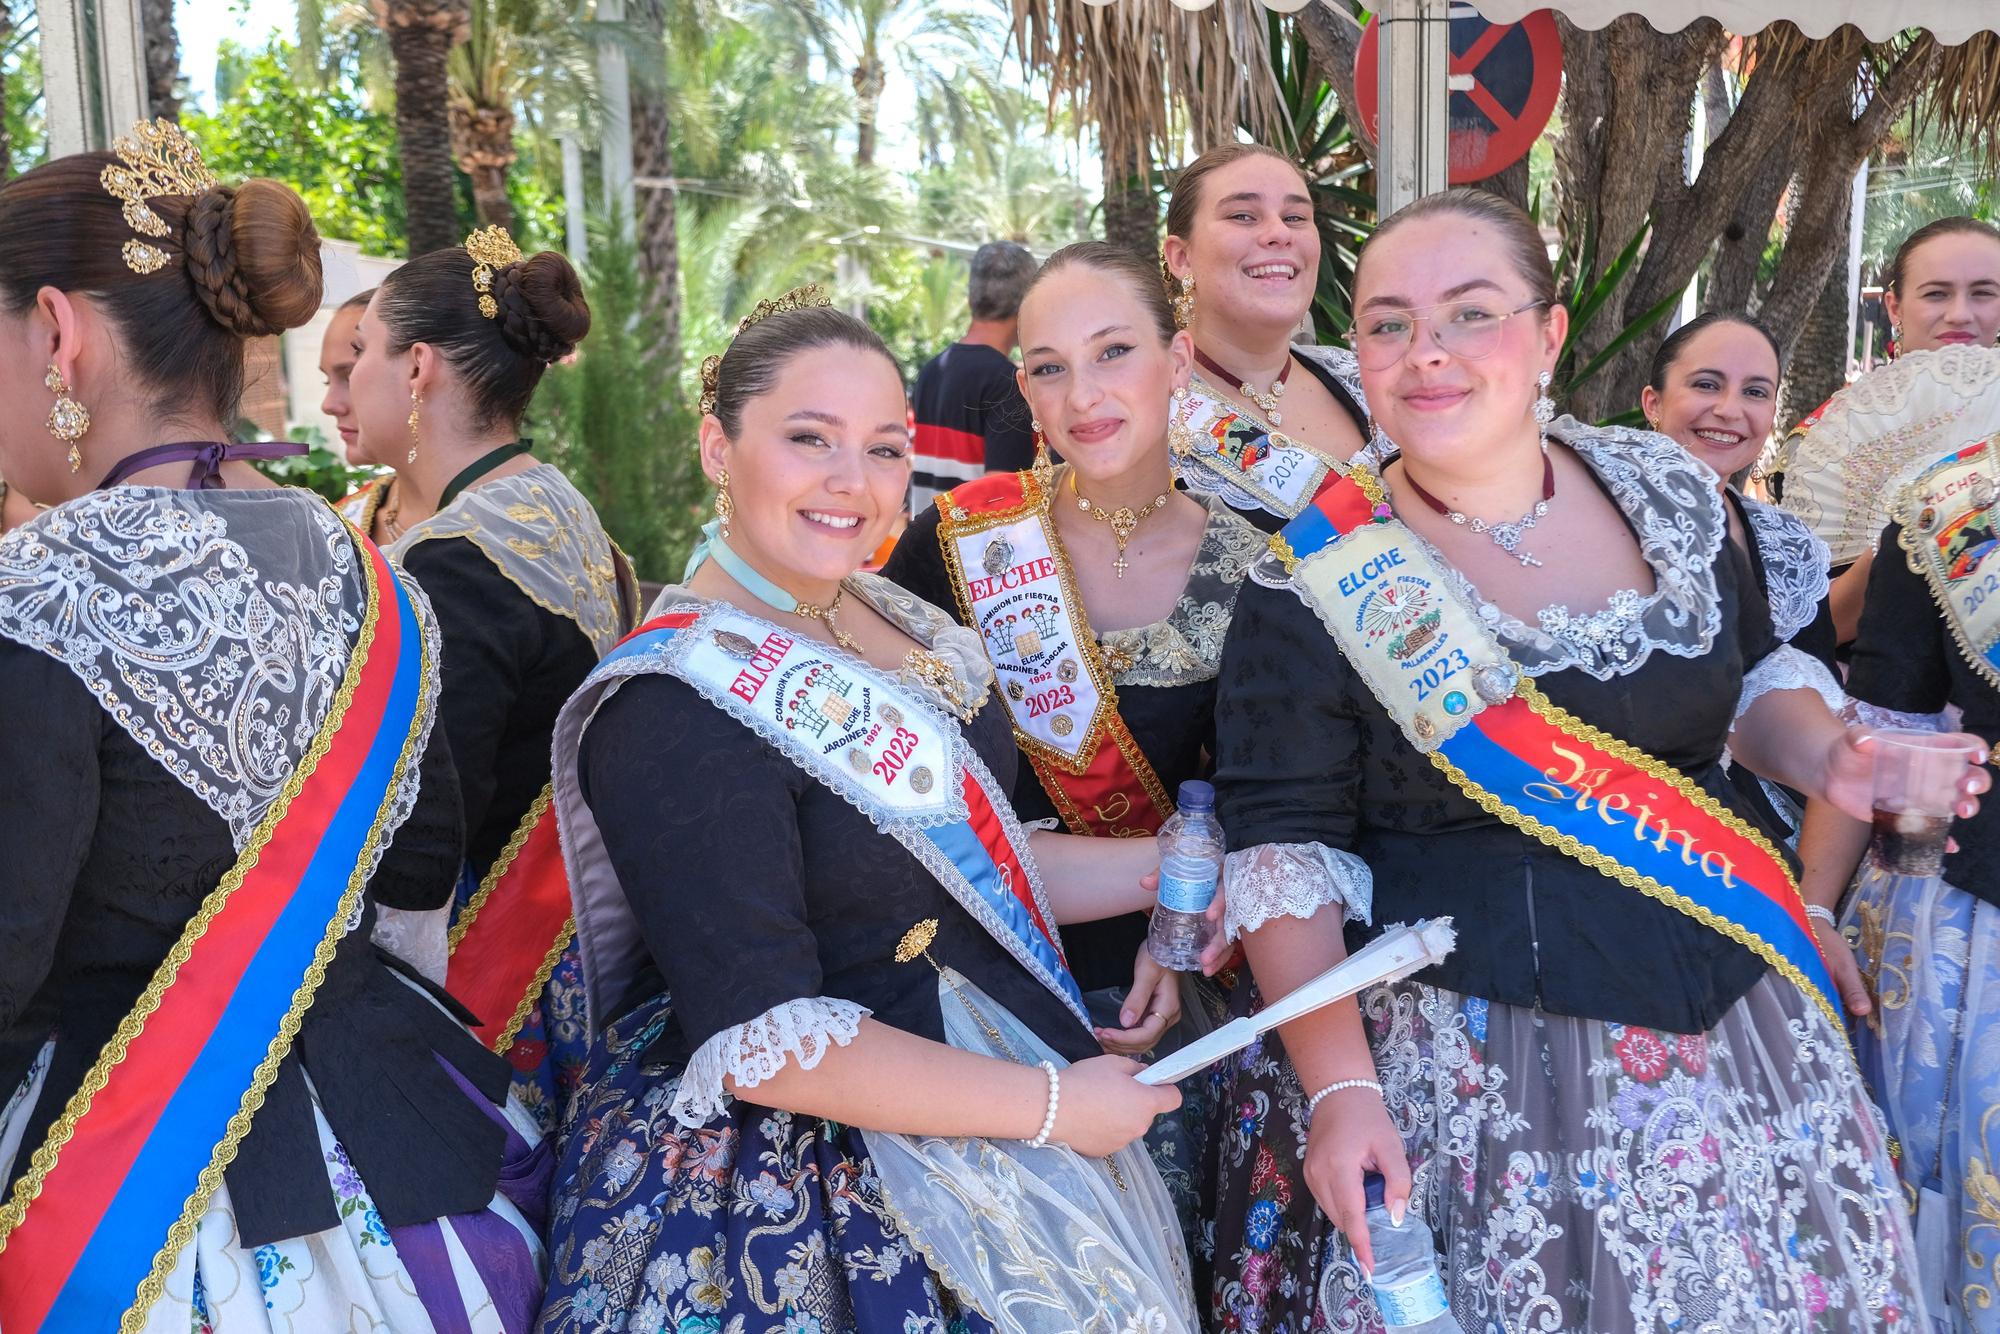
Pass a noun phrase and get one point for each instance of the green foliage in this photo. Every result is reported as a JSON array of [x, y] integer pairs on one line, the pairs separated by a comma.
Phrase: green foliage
[[325, 144], [21, 66], [319, 470], [611, 423], [1585, 299]]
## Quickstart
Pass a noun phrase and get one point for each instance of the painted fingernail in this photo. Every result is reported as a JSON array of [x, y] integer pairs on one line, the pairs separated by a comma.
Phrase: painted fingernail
[[1396, 1208]]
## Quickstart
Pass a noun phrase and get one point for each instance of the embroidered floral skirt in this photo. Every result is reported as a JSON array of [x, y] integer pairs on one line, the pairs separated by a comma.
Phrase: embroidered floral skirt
[[1583, 1176], [1930, 955], [757, 1221], [478, 1273]]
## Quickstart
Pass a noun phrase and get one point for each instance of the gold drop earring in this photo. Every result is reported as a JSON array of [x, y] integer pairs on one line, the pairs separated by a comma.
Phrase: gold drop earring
[[1184, 303], [725, 508], [68, 419], [416, 407]]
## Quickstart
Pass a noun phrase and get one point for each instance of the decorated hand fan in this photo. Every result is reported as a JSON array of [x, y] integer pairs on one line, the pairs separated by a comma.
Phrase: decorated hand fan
[[1842, 475]]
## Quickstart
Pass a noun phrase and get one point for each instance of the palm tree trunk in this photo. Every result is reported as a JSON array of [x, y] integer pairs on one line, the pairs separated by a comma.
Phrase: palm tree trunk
[[1818, 365], [421, 35], [869, 80], [163, 58], [1131, 218], [482, 139], [658, 223]]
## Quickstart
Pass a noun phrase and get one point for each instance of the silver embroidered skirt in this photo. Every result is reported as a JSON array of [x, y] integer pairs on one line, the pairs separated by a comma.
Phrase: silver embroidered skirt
[[1583, 1175], [1930, 954]]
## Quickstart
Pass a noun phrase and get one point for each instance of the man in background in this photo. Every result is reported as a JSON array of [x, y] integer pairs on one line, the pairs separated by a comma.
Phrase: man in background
[[971, 418]]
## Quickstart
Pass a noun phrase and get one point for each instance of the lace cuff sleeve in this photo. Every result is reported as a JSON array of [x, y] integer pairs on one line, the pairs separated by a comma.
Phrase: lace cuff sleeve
[[1292, 880], [800, 1031], [1874, 715], [1787, 668]]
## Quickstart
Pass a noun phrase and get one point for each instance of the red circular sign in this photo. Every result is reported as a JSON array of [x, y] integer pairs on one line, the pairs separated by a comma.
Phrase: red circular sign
[[1505, 80]]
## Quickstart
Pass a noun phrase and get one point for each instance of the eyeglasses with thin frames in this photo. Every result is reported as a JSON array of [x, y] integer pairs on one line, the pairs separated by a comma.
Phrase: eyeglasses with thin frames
[[1466, 329]]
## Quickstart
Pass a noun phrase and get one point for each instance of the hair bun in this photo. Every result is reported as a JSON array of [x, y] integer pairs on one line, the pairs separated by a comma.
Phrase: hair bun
[[252, 253], [543, 313]]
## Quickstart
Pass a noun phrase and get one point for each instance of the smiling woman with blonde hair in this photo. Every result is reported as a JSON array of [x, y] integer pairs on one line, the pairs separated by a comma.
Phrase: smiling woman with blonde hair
[[1268, 421]]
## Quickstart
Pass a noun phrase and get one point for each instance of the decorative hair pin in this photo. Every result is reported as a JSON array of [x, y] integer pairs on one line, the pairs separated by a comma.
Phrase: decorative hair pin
[[157, 159], [799, 298], [491, 248]]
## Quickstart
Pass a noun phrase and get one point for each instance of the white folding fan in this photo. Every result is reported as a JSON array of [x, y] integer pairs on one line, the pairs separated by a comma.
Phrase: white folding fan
[[1842, 476]]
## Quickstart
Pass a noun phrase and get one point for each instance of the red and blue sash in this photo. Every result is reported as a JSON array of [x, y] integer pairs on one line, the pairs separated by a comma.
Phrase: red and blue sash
[[1448, 684], [113, 1196], [1012, 580], [898, 760], [513, 930]]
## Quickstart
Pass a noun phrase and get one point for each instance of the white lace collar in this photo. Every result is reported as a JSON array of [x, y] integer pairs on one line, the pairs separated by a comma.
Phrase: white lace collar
[[1186, 646], [1671, 502], [1795, 565], [214, 627]]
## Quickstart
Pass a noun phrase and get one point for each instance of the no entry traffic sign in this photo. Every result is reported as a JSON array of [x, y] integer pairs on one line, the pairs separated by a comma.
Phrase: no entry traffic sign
[[1505, 78]]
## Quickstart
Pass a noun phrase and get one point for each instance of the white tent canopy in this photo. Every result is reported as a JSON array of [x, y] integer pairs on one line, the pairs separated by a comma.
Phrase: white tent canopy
[[1950, 21]]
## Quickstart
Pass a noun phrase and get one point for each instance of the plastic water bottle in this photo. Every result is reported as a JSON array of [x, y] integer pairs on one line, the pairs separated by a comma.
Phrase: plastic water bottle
[[1408, 1289], [1190, 867]]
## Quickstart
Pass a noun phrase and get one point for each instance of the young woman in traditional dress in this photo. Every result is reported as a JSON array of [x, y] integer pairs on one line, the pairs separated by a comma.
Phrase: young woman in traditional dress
[[1714, 391], [228, 1110], [1127, 584], [371, 507], [784, 804], [1626, 1099], [1943, 290], [1269, 421], [1927, 990], [529, 591]]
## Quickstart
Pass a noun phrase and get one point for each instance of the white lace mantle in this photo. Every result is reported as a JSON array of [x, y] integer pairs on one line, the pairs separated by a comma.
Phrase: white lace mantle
[[1275, 880], [1795, 565], [215, 627], [1672, 505], [1788, 668], [799, 1032], [1186, 646]]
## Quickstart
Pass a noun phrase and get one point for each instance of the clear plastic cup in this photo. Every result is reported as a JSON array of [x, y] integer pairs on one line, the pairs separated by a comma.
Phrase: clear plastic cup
[[1916, 790]]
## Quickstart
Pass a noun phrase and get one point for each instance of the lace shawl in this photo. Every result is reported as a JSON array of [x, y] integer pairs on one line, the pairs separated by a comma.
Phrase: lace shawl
[[541, 533], [1186, 647], [1795, 565], [215, 627], [1672, 504]]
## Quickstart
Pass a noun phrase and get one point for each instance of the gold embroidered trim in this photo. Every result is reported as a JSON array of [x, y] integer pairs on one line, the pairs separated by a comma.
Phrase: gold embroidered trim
[[1623, 874], [537, 809], [153, 1286], [1922, 561], [534, 991]]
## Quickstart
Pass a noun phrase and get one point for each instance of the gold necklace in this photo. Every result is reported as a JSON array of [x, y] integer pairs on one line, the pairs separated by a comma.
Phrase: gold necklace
[[826, 615], [1124, 520]]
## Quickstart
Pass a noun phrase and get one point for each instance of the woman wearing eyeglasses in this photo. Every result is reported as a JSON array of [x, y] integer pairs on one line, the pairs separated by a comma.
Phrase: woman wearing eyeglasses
[[1492, 678], [1269, 422]]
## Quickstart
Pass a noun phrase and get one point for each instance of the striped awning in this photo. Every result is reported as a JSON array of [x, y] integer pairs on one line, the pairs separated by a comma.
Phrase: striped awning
[[1950, 21]]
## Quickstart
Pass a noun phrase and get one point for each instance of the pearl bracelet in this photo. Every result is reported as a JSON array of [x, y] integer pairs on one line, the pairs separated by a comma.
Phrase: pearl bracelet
[[1055, 1100], [1312, 1103], [1822, 914]]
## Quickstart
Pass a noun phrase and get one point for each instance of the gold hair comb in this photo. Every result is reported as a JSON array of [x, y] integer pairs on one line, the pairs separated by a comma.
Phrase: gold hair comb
[[155, 160], [491, 248], [799, 298]]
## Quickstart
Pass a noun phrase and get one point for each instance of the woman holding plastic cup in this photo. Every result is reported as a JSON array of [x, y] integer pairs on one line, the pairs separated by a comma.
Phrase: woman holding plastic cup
[[1924, 974]]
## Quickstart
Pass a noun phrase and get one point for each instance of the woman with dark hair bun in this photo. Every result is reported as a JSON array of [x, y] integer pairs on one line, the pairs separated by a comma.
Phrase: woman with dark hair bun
[[1241, 263], [1714, 391], [224, 1106], [530, 591], [842, 1077]]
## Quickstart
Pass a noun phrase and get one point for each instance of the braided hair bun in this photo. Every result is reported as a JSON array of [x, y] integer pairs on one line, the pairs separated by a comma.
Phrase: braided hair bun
[[252, 255], [543, 313]]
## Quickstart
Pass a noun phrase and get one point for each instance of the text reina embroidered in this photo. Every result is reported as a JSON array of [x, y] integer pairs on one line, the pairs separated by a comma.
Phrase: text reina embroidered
[[763, 662], [1580, 786], [1020, 576]]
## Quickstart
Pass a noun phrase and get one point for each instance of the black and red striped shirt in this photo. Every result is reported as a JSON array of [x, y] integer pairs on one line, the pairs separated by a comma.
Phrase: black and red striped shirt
[[971, 420]]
